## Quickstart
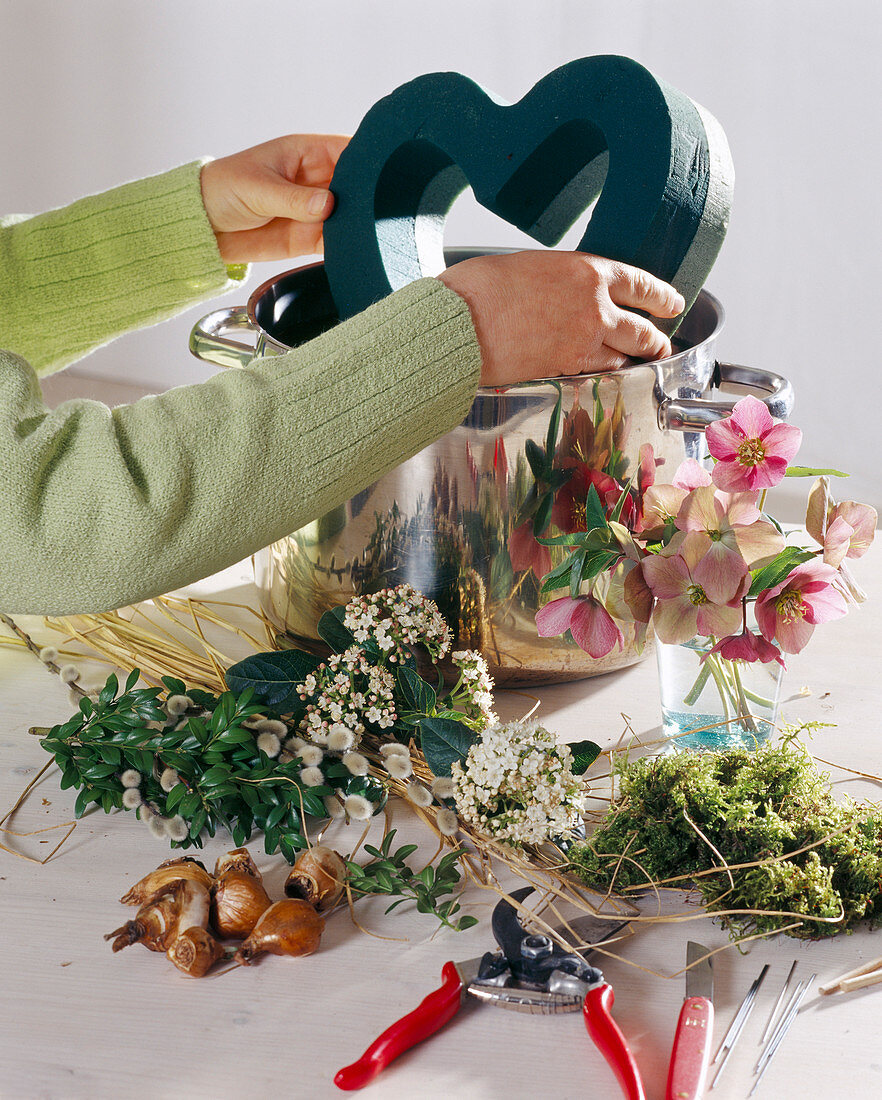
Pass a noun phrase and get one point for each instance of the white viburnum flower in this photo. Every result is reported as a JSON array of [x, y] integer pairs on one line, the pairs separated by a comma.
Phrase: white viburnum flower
[[397, 619], [474, 693], [346, 691], [517, 785]]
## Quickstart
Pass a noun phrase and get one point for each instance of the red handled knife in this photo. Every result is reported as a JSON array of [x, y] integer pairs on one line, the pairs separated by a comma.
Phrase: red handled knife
[[692, 1042]]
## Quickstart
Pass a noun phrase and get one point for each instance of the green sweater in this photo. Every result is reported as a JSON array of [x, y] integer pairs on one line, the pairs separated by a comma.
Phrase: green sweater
[[102, 507]]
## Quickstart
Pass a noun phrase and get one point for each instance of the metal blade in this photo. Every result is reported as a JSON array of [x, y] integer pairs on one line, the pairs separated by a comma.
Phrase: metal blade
[[700, 978], [468, 970], [591, 930]]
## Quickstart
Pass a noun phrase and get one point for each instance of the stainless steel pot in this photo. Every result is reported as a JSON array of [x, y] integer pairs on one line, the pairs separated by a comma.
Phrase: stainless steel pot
[[450, 521]]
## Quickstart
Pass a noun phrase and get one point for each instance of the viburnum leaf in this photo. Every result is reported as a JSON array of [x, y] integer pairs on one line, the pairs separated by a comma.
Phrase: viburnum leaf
[[444, 741], [273, 676], [584, 755]]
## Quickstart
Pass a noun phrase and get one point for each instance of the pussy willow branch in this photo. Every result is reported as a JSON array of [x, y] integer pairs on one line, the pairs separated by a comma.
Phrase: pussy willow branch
[[35, 649]]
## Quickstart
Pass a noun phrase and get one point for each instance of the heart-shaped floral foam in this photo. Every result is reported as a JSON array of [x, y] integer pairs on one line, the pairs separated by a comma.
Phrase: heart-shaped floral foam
[[600, 128]]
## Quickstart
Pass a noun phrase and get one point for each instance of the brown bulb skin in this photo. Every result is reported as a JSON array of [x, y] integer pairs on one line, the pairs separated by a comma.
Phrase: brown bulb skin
[[239, 860], [237, 903], [195, 951], [289, 927], [159, 881], [318, 876]]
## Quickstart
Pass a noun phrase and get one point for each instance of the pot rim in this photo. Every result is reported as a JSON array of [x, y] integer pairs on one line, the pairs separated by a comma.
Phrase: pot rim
[[460, 253]]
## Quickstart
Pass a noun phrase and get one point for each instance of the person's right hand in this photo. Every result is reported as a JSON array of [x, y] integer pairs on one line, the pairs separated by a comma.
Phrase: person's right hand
[[551, 313]]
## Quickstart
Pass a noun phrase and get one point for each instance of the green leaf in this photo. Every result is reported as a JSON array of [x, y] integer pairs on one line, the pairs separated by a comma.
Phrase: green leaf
[[595, 513], [620, 503], [83, 799], [577, 538], [132, 679], [70, 778], [536, 459], [313, 803], [332, 631], [108, 692], [218, 774], [174, 796], [175, 686], [778, 569], [543, 514], [273, 677], [99, 771], [277, 815], [811, 471], [198, 823], [290, 845], [235, 736], [419, 695], [554, 423], [578, 561], [443, 741], [584, 755]]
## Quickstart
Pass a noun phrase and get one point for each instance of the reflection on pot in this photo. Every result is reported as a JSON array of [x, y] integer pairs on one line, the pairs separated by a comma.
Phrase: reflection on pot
[[460, 521]]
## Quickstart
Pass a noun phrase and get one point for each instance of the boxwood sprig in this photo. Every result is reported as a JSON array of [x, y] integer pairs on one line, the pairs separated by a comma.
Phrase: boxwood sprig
[[192, 773]]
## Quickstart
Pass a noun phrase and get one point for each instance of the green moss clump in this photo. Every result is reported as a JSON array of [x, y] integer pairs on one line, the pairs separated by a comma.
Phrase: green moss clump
[[751, 806]]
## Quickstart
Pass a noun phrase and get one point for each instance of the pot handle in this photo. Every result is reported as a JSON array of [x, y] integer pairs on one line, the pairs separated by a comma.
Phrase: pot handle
[[691, 414], [209, 340]]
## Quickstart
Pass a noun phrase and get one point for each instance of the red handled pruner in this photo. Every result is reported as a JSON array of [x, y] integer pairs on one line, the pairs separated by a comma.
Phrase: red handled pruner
[[529, 973]]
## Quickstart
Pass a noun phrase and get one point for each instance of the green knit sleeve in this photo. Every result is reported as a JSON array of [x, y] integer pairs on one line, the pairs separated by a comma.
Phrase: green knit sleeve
[[104, 507], [75, 278]]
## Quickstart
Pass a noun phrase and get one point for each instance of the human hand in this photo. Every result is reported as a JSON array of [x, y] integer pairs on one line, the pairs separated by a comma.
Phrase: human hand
[[545, 314], [269, 202]]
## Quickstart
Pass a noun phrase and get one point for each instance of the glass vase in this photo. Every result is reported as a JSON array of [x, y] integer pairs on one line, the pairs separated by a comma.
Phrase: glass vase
[[709, 702]]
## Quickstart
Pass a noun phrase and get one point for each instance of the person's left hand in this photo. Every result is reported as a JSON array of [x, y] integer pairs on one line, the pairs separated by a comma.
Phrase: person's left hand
[[269, 202]]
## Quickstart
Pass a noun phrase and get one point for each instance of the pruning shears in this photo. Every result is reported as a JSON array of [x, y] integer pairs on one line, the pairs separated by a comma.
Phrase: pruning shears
[[529, 973]]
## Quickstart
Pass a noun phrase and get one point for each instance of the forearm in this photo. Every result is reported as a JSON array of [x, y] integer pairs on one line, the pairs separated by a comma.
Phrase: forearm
[[72, 279], [102, 508]]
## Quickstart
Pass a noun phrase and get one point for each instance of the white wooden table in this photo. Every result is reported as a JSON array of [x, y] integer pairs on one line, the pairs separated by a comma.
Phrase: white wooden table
[[80, 1022]]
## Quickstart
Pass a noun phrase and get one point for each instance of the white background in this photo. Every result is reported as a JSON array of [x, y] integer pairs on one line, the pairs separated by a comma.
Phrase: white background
[[100, 91]]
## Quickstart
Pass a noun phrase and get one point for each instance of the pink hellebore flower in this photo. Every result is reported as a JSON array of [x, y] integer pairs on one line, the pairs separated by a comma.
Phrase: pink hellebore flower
[[591, 625], [789, 612], [661, 503], [695, 593], [691, 474], [747, 646], [845, 530], [729, 524], [751, 449]]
